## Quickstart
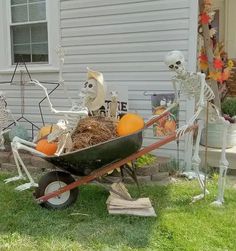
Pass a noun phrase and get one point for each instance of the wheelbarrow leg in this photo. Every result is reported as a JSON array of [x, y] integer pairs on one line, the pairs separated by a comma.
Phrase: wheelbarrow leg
[[131, 171]]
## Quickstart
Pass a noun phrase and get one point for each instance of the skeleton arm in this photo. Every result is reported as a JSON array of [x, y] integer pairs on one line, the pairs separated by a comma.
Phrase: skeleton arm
[[175, 82], [82, 112]]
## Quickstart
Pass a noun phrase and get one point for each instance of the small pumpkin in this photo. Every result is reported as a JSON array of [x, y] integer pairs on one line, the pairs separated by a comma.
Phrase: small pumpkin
[[48, 148], [45, 130], [129, 123]]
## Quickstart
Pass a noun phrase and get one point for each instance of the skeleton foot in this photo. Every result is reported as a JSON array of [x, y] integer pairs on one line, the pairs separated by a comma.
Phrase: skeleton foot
[[26, 186], [20, 177], [182, 130], [217, 203], [199, 197]]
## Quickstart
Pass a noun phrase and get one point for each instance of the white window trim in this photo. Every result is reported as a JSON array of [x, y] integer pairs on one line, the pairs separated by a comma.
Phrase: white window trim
[[53, 20]]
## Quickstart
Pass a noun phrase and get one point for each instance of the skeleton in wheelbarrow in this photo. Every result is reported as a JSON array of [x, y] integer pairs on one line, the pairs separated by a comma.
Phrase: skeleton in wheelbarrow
[[93, 94]]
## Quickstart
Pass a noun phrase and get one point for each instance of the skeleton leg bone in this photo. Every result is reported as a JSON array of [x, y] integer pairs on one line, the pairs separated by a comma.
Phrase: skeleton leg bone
[[20, 174], [18, 144], [223, 167], [196, 161]]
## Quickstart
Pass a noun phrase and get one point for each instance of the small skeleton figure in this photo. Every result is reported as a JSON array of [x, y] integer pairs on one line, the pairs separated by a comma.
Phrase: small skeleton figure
[[113, 106], [4, 116], [194, 86], [63, 135]]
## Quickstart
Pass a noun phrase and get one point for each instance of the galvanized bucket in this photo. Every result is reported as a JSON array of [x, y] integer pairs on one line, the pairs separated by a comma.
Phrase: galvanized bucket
[[215, 133]]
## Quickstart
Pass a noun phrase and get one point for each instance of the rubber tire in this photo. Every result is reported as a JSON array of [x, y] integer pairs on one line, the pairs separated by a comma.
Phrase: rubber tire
[[52, 177]]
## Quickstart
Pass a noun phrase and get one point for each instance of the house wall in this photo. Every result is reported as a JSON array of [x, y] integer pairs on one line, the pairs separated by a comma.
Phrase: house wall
[[127, 41]]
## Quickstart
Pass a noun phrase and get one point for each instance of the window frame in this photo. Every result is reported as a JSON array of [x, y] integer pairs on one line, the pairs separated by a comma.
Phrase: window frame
[[53, 26]]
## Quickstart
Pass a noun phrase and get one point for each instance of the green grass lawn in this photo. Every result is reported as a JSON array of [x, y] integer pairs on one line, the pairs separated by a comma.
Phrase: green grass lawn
[[24, 225]]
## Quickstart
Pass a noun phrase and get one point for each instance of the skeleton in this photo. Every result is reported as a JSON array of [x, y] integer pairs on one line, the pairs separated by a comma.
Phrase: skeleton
[[193, 85], [91, 91], [113, 106], [4, 116]]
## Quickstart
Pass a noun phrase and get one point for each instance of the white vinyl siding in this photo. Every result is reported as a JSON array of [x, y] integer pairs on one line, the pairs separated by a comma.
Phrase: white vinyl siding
[[127, 41]]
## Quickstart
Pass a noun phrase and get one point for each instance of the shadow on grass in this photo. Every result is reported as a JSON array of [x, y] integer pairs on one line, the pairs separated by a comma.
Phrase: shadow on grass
[[87, 222]]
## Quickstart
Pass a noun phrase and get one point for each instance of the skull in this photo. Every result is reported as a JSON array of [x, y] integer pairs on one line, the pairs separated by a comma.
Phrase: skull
[[114, 95], [3, 99], [90, 89], [175, 61]]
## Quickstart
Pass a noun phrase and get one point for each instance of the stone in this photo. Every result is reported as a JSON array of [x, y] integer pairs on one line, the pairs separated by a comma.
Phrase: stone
[[163, 163], [41, 163], [147, 170], [8, 167], [160, 176], [144, 179], [4, 156], [26, 158], [164, 182]]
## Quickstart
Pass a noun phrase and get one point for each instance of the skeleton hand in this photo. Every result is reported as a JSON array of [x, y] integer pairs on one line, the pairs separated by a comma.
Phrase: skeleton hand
[[182, 130], [53, 110]]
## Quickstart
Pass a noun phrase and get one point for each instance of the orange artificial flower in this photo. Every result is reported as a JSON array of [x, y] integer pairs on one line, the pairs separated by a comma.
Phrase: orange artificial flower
[[203, 62], [218, 64], [225, 74], [203, 57], [215, 75], [203, 66], [204, 18]]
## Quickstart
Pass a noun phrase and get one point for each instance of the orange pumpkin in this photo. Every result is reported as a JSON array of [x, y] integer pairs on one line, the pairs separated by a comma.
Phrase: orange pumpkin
[[129, 124], [45, 147]]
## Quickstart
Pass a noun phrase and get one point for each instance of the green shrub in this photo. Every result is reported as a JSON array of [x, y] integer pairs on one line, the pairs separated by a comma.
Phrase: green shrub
[[229, 107], [145, 160]]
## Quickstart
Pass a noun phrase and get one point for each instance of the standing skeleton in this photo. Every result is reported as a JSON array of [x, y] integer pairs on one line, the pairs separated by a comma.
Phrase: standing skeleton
[[194, 86], [93, 94]]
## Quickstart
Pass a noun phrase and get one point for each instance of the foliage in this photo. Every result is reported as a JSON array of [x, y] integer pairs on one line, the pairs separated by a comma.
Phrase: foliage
[[174, 167], [179, 225], [219, 68], [145, 160], [229, 107]]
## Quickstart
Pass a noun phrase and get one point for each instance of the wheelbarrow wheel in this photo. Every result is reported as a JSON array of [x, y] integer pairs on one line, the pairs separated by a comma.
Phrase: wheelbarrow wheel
[[53, 181]]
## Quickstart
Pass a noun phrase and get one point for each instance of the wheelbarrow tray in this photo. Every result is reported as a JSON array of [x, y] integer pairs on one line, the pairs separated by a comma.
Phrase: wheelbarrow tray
[[84, 161]]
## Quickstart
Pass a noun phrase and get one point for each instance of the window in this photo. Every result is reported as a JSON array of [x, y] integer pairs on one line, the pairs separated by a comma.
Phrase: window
[[29, 39], [31, 32]]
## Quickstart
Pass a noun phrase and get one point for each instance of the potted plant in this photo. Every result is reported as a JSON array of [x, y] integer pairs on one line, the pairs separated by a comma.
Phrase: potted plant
[[215, 130], [213, 61]]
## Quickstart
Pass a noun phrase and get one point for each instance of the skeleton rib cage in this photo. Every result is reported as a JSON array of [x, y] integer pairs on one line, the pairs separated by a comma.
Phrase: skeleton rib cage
[[190, 85]]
